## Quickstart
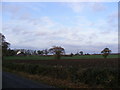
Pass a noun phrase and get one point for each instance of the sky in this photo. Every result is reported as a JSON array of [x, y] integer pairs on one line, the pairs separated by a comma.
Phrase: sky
[[76, 26]]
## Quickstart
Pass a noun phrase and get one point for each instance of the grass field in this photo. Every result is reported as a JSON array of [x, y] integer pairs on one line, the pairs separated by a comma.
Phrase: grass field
[[52, 57]]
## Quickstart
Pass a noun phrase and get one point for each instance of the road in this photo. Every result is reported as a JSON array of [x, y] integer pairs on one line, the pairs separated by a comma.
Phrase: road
[[10, 80]]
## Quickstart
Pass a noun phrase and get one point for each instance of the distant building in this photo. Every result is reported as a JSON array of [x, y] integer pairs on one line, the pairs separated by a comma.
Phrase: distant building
[[20, 53]]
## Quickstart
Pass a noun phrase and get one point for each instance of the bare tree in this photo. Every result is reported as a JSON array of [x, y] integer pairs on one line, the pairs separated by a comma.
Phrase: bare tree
[[5, 45]]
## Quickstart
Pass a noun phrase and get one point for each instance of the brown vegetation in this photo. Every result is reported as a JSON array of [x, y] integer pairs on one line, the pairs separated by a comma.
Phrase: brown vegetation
[[111, 62]]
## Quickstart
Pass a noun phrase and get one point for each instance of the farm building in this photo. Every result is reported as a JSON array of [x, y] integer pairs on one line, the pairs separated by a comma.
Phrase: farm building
[[20, 53]]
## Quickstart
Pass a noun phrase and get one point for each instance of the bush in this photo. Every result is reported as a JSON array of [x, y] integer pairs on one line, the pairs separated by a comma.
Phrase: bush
[[106, 77]]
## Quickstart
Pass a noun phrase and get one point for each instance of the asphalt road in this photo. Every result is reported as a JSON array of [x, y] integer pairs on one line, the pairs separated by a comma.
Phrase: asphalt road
[[10, 80]]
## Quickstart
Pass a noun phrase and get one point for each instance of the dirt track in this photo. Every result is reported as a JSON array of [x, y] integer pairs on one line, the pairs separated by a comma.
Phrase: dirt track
[[113, 62]]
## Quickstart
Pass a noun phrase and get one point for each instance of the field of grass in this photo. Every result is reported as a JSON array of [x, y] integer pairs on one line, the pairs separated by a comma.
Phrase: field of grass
[[28, 58], [89, 57], [52, 57]]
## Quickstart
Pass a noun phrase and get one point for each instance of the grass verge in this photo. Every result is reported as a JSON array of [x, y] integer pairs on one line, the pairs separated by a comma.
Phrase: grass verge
[[57, 83]]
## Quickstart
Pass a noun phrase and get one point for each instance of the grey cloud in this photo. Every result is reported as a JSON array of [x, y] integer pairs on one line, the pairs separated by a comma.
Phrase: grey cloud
[[92, 36], [38, 33], [5, 27], [42, 33], [11, 8], [25, 16], [105, 32], [90, 48], [20, 10], [113, 19], [23, 47], [97, 7]]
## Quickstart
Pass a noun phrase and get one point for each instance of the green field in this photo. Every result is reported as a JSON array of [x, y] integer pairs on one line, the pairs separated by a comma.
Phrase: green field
[[52, 57]]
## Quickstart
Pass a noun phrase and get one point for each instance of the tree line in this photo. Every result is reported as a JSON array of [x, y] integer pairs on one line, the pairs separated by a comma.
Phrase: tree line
[[57, 51]]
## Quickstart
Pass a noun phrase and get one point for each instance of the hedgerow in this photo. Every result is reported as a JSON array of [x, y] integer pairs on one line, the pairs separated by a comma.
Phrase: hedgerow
[[106, 77]]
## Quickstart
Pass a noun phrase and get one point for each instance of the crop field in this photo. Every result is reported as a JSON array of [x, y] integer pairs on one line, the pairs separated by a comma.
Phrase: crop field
[[52, 57]]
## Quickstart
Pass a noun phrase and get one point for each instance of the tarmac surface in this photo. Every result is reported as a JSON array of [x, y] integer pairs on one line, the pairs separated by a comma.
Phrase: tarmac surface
[[10, 80]]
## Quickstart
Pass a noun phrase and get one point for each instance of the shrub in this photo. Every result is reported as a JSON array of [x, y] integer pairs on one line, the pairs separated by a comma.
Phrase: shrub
[[106, 77]]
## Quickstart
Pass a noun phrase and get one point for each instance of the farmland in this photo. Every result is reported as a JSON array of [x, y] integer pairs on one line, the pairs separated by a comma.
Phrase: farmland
[[94, 71], [66, 45], [52, 57], [111, 62]]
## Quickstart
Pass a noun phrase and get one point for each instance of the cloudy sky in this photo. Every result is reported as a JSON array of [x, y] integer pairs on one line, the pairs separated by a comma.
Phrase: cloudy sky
[[77, 26]]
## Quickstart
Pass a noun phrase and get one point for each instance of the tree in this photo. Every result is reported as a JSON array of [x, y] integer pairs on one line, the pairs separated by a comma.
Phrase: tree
[[5, 45], [81, 52], [77, 54], [11, 52], [35, 52], [46, 52], [40, 52], [57, 51], [71, 54], [106, 52]]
